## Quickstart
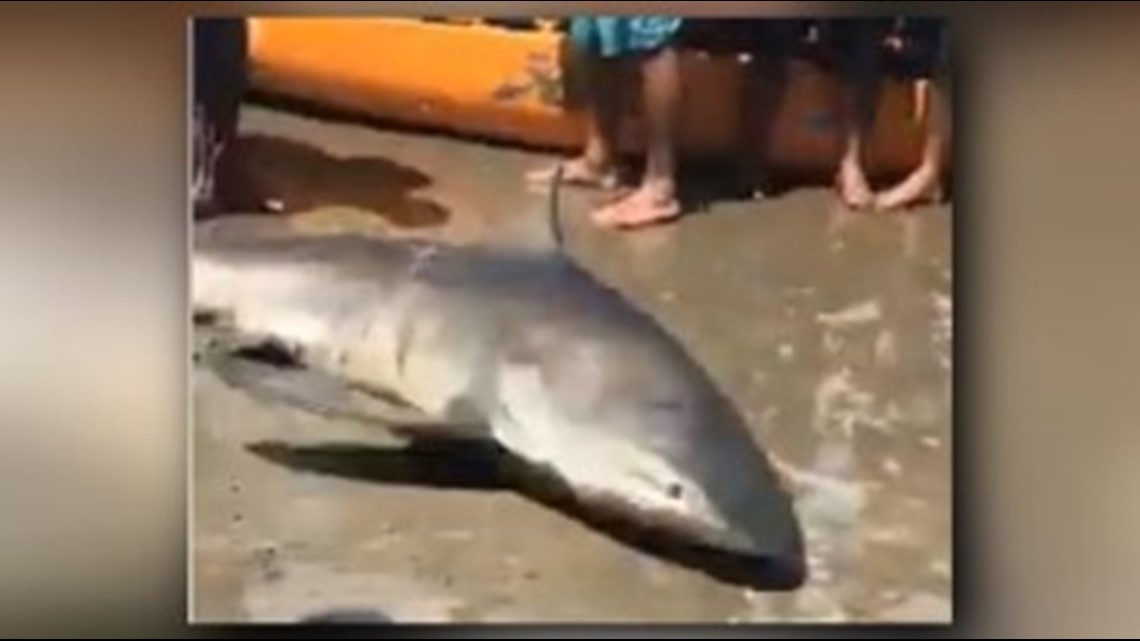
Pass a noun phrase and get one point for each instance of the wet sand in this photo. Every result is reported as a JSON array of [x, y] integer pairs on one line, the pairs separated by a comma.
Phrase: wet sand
[[832, 331]]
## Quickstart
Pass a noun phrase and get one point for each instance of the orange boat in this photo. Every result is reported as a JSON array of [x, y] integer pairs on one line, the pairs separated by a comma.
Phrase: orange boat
[[470, 77]]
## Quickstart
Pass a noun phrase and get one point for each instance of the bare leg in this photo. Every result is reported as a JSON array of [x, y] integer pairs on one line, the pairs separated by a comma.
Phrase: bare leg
[[655, 200], [923, 184], [597, 165]]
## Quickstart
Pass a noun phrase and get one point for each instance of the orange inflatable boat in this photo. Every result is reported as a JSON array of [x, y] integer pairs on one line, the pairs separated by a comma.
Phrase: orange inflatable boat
[[504, 83]]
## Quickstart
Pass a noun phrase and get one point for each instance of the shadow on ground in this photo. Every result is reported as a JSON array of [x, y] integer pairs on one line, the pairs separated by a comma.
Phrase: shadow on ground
[[303, 178], [481, 466]]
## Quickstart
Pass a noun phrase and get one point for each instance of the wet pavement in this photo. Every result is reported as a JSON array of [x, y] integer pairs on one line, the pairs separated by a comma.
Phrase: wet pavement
[[832, 331]]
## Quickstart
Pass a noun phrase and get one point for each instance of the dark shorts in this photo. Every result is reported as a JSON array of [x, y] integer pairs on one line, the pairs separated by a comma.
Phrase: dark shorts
[[219, 68], [926, 51], [219, 83], [764, 36], [855, 44]]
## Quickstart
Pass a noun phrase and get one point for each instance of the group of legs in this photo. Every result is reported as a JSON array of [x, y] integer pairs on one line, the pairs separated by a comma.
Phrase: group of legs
[[856, 48]]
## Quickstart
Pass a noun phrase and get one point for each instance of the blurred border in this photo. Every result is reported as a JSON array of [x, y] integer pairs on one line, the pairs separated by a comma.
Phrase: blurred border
[[92, 272]]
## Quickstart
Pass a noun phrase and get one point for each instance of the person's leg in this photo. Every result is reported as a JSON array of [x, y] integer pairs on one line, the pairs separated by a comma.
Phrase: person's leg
[[597, 165], [204, 154], [222, 176], [860, 73], [219, 85], [601, 85], [924, 183], [655, 200]]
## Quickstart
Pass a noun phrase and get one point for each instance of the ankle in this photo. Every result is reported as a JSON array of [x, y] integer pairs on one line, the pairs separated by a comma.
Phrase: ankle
[[596, 161], [661, 189], [851, 163]]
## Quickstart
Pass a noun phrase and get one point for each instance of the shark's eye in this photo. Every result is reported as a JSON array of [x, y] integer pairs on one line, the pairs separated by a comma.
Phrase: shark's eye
[[674, 490]]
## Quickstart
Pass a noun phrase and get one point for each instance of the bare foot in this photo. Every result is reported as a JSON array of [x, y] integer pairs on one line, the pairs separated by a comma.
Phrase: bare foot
[[648, 205], [852, 185], [580, 171], [920, 187]]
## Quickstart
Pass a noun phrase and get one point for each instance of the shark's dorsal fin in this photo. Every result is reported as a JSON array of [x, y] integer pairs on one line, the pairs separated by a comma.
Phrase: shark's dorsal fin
[[539, 231]]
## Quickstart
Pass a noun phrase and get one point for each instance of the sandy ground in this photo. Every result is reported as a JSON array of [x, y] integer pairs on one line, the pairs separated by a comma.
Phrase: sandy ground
[[832, 331]]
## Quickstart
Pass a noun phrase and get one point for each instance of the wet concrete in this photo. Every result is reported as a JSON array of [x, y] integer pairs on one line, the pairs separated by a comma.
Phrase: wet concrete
[[832, 331]]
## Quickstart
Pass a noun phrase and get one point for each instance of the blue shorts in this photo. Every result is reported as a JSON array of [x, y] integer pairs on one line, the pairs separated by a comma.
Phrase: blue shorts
[[611, 37]]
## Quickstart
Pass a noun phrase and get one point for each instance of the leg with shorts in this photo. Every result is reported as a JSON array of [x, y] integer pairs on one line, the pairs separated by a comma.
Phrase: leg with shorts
[[600, 78], [856, 44], [927, 48], [219, 84], [648, 41]]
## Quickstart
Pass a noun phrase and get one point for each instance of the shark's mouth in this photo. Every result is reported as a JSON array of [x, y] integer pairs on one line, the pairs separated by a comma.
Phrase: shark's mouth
[[722, 552], [600, 505]]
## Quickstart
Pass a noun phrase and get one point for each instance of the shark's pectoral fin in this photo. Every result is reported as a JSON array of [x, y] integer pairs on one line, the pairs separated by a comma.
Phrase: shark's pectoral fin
[[326, 396]]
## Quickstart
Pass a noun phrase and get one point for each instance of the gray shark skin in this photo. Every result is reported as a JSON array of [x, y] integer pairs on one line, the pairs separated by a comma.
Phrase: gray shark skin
[[554, 367]]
